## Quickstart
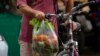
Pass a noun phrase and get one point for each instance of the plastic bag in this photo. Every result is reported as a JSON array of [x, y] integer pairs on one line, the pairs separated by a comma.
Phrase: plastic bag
[[44, 39]]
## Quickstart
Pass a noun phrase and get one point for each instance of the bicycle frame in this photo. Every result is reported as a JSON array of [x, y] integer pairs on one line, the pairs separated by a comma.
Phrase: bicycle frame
[[71, 46]]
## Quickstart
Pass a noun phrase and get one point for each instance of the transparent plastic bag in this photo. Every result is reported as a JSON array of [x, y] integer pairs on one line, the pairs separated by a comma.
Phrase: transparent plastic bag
[[44, 39]]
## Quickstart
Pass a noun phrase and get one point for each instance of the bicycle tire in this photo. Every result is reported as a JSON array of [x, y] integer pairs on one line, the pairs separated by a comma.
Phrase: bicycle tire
[[63, 53]]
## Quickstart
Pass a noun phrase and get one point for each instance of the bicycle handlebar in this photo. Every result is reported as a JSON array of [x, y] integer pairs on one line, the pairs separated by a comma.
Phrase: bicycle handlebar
[[74, 9], [56, 15], [83, 5]]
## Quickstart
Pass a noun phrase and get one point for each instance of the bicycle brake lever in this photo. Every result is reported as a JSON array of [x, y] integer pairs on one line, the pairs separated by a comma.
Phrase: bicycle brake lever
[[47, 16]]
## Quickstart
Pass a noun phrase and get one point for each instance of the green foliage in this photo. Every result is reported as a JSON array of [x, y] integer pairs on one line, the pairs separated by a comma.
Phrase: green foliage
[[36, 23]]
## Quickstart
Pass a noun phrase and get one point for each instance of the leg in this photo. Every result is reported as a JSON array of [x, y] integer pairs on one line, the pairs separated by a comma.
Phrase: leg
[[25, 49]]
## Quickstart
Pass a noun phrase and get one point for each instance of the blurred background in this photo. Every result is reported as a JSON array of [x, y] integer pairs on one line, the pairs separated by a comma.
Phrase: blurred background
[[10, 25], [10, 20]]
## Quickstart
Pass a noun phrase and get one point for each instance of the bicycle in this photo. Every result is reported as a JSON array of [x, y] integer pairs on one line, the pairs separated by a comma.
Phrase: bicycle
[[70, 48]]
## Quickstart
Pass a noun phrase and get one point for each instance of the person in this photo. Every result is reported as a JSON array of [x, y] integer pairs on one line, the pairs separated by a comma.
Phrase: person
[[35, 9]]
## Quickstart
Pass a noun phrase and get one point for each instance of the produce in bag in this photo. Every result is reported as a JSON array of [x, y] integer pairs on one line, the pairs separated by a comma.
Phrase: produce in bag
[[44, 39]]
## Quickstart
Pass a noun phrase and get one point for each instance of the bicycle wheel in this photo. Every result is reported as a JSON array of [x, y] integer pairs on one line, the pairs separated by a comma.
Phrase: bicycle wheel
[[64, 53]]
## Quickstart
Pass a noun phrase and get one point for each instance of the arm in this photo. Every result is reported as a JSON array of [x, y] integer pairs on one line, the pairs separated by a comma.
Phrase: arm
[[69, 4], [25, 9]]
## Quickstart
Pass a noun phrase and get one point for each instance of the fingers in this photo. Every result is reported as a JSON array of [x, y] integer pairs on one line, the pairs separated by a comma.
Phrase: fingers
[[40, 15]]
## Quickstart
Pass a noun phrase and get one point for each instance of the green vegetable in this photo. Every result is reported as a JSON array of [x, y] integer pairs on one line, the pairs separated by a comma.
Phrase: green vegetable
[[41, 44], [49, 25], [36, 23]]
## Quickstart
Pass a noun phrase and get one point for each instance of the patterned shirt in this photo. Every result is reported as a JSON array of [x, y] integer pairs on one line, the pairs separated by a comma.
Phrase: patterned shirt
[[47, 6]]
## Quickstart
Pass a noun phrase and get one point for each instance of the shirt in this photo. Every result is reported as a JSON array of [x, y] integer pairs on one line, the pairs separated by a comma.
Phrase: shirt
[[46, 6]]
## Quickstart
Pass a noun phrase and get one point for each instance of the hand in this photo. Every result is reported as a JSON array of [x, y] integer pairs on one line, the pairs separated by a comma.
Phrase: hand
[[39, 15]]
